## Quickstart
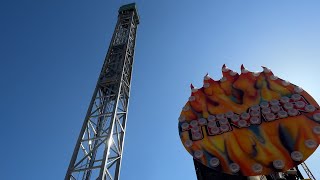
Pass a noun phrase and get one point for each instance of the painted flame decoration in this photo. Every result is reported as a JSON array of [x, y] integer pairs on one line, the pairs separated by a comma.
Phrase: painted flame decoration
[[250, 124]]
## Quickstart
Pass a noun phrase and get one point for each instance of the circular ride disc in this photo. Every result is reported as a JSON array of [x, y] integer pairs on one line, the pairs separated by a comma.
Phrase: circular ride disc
[[250, 124]]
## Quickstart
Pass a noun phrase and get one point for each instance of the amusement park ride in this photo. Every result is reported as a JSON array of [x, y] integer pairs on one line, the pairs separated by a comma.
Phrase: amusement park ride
[[98, 151], [249, 125], [239, 127]]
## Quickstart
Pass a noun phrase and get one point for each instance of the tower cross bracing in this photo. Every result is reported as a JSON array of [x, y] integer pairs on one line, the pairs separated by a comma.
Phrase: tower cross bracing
[[99, 148]]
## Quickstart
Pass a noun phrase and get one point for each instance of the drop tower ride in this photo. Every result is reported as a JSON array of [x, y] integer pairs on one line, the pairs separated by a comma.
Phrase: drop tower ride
[[99, 148]]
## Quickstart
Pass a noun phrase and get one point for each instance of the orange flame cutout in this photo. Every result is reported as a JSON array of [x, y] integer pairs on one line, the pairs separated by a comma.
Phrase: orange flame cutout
[[251, 123]]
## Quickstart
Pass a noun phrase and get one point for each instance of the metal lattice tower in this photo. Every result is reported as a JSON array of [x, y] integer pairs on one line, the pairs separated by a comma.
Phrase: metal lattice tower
[[98, 152]]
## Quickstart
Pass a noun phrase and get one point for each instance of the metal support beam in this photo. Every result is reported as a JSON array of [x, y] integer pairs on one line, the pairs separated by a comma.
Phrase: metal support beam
[[98, 151], [307, 170]]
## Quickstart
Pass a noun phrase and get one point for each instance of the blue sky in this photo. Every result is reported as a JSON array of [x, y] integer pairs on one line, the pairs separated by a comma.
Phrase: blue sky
[[52, 51]]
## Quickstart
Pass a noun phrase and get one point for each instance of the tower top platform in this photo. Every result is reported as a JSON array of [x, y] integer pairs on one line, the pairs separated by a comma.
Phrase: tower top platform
[[131, 7]]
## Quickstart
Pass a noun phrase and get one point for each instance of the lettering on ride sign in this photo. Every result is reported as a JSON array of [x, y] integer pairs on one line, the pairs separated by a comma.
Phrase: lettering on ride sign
[[266, 111]]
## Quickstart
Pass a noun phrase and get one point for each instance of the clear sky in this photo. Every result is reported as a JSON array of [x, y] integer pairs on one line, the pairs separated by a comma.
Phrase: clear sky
[[52, 52]]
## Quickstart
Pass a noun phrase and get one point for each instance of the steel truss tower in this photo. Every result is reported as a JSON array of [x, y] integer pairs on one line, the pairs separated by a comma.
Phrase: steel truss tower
[[98, 152]]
